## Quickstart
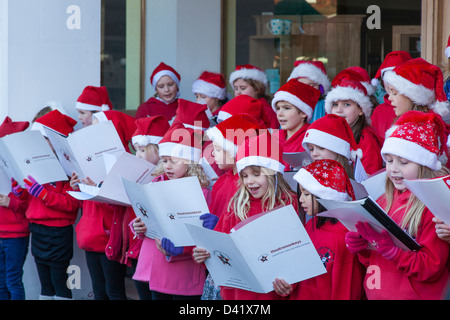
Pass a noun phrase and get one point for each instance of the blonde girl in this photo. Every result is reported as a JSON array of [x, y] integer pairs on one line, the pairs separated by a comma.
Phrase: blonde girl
[[261, 188], [411, 151]]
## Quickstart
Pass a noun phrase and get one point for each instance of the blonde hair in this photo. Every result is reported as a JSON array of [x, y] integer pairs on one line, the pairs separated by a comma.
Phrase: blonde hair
[[193, 170], [414, 207], [278, 193]]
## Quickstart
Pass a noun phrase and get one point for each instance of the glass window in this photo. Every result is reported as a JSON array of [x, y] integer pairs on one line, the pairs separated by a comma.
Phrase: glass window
[[273, 34], [113, 54]]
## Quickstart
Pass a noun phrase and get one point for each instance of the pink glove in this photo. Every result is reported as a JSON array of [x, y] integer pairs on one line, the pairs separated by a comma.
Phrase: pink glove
[[354, 242], [381, 241]]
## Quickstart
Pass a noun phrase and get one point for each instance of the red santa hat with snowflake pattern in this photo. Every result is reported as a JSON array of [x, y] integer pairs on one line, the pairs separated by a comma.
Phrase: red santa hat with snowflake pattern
[[150, 130], [248, 71], [211, 85], [181, 142], [313, 70], [261, 150], [333, 133], [164, 70], [300, 95], [418, 137], [447, 50], [422, 82], [326, 179], [231, 133], [393, 59], [94, 99]]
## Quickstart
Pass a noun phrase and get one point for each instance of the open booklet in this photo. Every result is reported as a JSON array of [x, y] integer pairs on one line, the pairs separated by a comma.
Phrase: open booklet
[[112, 190], [28, 153], [297, 159], [367, 210], [166, 206], [273, 245], [434, 193], [82, 151]]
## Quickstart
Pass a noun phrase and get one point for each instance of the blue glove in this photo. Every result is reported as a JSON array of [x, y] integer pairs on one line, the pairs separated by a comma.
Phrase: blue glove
[[168, 246], [209, 220]]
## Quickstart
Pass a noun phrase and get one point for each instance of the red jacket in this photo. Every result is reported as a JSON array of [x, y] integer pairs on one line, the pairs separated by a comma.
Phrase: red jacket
[[222, 191], [58, 209], [155, 107], [94, 227], [371, 143], [345, 274], [411, 275], [13, 222], [383, 117], [227, 222]]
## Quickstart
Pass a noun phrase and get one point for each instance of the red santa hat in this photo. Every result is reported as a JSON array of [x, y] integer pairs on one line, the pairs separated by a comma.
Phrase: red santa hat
[[365, 79], [248, 71], [9, 127], [125, 124], [348, 89], [326, 179], [392, 60], [94, 99], [192, 115], [164, 70], [422, 82], [150, 130], [314, 70], [261, 150], [300, 95], [181, 142], [211, 85], [418, 137], [55, 121], [240, 105], [447, 50], [333, 133], [231, 133]]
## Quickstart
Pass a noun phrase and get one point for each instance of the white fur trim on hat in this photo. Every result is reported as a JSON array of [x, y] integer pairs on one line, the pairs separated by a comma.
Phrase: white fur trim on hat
[[327, 141], [447, 52], [178, 150], [100, 116], [208, 89], [91, 107], [223, 116], [347, 93], [307, 70], [216, 136], [163, 73], [38, 127], [417, 93], [144, 140], [254, 74], [294, 100], [261, 162], [307, 181], [410, 151]]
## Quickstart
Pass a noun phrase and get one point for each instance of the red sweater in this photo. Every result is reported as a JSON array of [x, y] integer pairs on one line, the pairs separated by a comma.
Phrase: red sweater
[[58, 209], [155, 107], [13, 222], [411, 275], [345, 274], [227, 222], [222, 191], [371, 143], [382, 117]]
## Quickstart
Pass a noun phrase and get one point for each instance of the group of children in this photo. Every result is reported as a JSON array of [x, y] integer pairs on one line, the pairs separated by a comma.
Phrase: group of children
[[235, 147]]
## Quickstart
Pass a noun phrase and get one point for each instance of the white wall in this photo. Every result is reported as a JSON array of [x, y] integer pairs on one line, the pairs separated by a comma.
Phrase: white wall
[[186, 35], [43, 59]]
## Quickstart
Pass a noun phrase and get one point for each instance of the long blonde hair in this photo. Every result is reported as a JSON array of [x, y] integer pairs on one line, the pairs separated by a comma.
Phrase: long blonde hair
[[414, 207], [193, 170], [278, 193]]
